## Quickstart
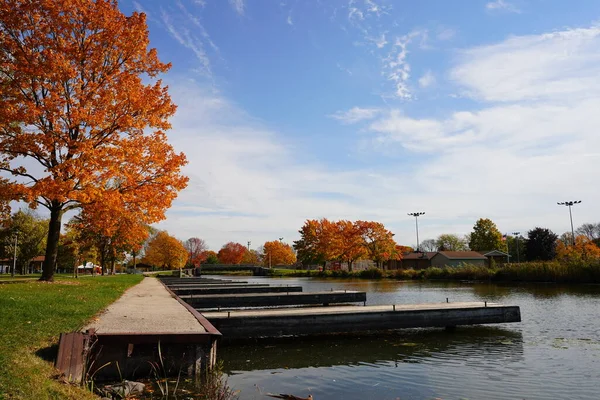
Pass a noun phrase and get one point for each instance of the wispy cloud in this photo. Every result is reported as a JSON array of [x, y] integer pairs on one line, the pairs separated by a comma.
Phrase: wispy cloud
[[239, 6], [356, 114], [289, 20], [536, 118], [502, 5], [427, 80], [397, 67], [379, 41], [187, 39], [552, 66], [444, 34]]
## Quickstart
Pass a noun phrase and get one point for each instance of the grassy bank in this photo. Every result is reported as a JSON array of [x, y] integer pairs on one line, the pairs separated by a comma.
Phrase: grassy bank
[[553, 271], [32, 315]]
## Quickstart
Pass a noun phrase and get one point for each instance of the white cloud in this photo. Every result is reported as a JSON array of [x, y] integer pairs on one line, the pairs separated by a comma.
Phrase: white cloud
[[289, 20], [427, 80], [185, 37], [532, 141], [444, 34], [238, 6], [378, 41], [356, 114], [535, 67], [396, 66], [501, 5]]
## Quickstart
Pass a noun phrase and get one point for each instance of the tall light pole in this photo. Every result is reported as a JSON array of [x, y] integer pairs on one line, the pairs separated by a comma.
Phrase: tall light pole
[[15, 257], [417, 215], [517, 237], [281, 239], [569, 204], [249, 242]]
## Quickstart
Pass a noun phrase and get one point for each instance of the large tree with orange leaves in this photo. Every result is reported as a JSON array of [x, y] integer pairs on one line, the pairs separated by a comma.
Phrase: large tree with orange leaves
[[378, 241], [82, 115], [348, 242], [232, 253], [165, 251], [315, 245], [278, 253]]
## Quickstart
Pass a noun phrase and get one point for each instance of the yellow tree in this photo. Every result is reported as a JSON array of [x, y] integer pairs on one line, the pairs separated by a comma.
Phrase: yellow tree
[[165, 251], [278, 253], [80, 99]]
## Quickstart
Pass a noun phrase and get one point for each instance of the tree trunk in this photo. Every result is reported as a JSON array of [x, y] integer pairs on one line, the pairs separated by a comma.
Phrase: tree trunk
[[349, 265], [49, 265]]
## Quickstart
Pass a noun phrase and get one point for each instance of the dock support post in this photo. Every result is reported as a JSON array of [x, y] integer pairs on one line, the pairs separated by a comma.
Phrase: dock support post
[[447, 300]]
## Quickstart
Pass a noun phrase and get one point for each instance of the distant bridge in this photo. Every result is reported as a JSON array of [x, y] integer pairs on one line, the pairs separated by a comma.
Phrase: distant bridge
[[257, 270]]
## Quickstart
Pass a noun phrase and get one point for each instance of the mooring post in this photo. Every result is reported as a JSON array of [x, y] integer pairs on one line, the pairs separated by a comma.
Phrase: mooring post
[[447, 300], [228, 314], [394, 307], [485, 304]]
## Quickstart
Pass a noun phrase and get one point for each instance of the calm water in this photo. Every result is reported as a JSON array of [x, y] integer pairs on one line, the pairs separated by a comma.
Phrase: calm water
[[553, 354]]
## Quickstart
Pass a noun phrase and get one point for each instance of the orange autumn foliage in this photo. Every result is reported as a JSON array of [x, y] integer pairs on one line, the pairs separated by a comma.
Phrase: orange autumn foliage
[[80, 99], [278, 253], [231, 253], [165, 251], [584, 249]]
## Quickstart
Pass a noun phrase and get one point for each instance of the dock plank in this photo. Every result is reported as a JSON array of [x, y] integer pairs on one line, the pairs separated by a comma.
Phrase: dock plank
[[275, 299], [317, 321]]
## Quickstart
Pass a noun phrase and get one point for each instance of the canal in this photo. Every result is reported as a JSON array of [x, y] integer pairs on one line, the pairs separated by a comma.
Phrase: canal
[[553, 354]]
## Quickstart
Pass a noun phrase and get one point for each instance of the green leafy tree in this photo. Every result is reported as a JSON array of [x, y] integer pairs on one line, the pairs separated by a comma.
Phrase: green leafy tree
[[541, 244], [451, 242], [512, 242], [486, 236], [31, 231]]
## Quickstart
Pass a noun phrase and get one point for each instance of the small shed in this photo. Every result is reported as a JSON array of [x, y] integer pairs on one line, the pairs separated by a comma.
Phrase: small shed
[[36, 263], [498, 256], [416, 260], [456, 258]]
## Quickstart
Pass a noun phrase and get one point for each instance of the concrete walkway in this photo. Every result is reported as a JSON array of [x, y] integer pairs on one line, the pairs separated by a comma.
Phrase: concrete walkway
[[147, 308]]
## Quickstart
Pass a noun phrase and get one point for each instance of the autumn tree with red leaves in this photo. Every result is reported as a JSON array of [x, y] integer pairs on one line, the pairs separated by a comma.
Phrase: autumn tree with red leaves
[[80, 99], [231, 253]]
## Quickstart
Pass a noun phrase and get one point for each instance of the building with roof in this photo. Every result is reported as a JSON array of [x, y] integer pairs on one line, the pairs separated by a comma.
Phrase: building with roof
[[495, 256], [456, 258]]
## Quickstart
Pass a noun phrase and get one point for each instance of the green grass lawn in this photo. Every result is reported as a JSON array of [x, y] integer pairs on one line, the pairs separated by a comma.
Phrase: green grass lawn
[[32, 315]]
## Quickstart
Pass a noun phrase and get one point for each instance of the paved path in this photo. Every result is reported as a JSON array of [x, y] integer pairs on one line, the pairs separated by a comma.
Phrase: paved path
[[146, 308], [345, 309]]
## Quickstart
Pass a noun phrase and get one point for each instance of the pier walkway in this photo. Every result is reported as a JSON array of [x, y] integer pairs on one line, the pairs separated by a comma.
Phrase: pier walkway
[[147, 323]]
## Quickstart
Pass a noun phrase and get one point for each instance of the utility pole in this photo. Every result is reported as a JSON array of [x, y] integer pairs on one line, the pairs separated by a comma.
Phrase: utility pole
[[517, 237], [15, 256], [417, 215], [569, 204]]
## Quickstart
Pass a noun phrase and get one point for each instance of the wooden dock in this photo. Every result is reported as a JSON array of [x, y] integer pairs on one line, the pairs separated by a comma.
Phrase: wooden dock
[[275, 299], [245, 324], [231, 289]]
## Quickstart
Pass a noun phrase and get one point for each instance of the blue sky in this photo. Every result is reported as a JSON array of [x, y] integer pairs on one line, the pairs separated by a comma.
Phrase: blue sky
[[370, 109]]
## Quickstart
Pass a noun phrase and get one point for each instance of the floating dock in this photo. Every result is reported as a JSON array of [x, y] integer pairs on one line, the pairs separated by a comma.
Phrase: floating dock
[[231, 289], [275, 299], [244, 324]]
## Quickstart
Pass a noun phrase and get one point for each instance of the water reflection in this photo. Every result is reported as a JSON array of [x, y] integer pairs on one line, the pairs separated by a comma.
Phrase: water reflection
[[413, 346]]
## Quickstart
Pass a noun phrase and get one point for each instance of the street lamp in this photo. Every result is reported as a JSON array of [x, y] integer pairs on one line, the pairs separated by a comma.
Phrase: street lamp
[[569, 204], [417, 215], [280, 239], [15, 257], [249, 242], [517, 237]]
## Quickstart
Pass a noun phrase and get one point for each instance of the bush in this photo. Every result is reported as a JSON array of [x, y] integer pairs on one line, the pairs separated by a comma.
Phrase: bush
[[371, 273]]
